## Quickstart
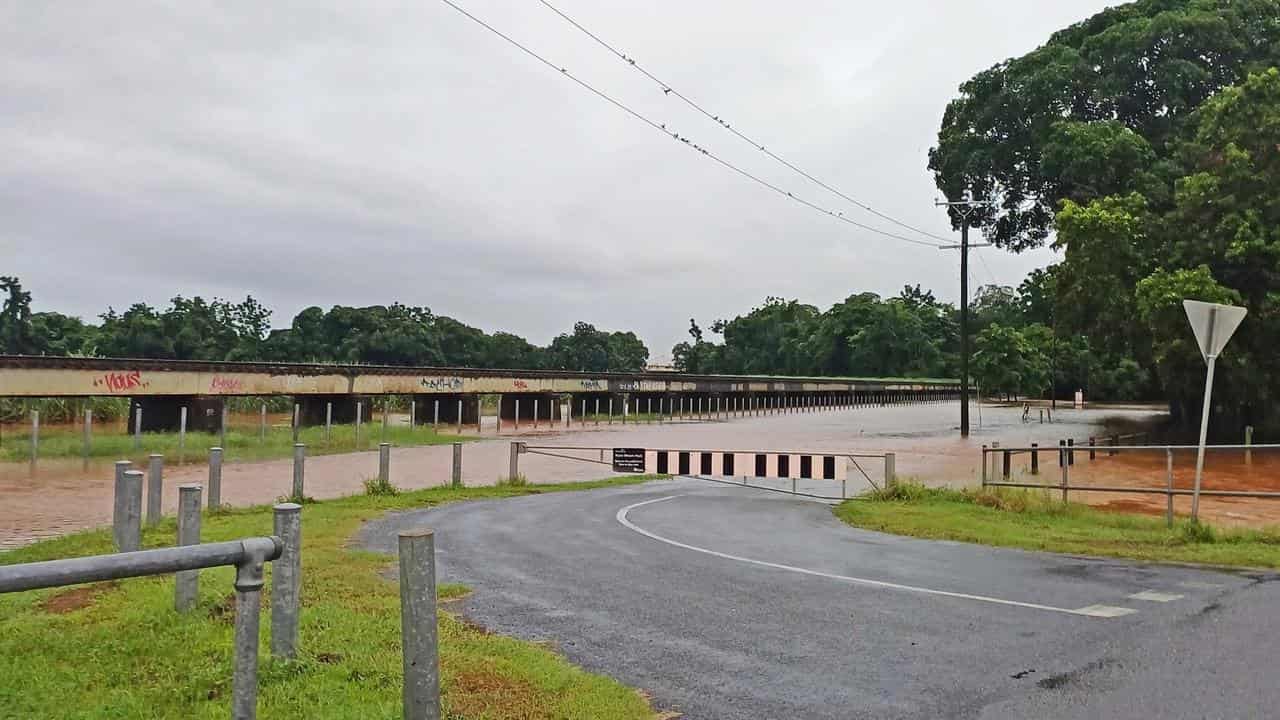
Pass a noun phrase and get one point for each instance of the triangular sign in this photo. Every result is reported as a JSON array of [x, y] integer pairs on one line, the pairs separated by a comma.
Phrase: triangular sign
[[1213, 324]]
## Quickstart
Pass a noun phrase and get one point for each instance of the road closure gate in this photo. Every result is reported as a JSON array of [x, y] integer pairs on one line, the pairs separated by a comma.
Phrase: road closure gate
[[776, 470]]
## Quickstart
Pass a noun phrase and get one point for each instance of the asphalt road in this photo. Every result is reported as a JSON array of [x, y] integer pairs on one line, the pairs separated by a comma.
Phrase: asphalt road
[[730, 603]]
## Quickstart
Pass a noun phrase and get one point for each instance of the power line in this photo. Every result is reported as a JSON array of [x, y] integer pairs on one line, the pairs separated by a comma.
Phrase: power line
[[661, 127], [986, 267], [667, 89]]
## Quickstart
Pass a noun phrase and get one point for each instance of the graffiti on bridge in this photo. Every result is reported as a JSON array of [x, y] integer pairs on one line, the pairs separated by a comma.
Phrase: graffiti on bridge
[[121, 381]]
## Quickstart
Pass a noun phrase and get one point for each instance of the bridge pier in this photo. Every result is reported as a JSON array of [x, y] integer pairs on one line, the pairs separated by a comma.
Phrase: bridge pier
[[548, 406], [448, 408], [164, 412], [313, 410]]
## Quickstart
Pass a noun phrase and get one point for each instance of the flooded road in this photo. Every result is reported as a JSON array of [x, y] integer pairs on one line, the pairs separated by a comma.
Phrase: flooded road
[[61, 498]]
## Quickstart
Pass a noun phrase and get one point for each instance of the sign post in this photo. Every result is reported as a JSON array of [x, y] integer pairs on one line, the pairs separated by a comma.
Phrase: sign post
[[1213, 325]]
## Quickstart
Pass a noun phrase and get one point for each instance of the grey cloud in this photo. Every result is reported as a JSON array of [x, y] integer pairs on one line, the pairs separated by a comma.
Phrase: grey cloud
[[370, 152]]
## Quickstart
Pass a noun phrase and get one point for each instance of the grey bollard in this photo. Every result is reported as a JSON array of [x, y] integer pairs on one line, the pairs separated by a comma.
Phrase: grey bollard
[[1248, 445], [328, 423], [244, 663], [262, 423], [222, 427], [286, 582], [35, 440], [182, 435], [384, 462], [137, 427], [155, 487], [215, 478], [299, 469], [87, 439], [297, 421], [126, 521], [890, 468], [457, 465], [418, 625], [187, 582], [514, 468]]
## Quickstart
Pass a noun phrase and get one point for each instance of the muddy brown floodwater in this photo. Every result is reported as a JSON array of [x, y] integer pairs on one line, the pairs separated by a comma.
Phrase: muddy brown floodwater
[[61, 498]]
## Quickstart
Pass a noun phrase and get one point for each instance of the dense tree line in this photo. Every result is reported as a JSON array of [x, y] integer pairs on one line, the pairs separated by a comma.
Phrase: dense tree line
[[196, 329], [1144, 143]]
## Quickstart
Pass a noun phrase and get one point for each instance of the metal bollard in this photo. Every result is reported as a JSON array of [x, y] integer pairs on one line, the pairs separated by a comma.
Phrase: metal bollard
[[182, 435], [262, 422], [1006, 465], [1071, 451], [459, 417], [297, 422], [435, 416], [516, 421], [35, 440], [890, 468], [215, 479], [1248, 445], [126, 520], [457, 465], [384, 463], [1035, 458], [86, 442], [535, 414], [514, 468], [155, 487], [1168, 484], [186, 586], [137, 427], [286, 581], [244, 664], [222, 427], [1093, 452], [413, 413], [359, 418], [418, 625], [328, 422], [299, 471], [1066, 468]]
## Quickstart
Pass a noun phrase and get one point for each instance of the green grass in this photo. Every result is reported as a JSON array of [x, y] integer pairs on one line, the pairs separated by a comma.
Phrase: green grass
[[241, 443], [127, 654], [1033, 520]]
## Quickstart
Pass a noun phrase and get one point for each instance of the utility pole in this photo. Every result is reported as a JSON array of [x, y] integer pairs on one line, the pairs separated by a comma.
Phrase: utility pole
[[964, 209]]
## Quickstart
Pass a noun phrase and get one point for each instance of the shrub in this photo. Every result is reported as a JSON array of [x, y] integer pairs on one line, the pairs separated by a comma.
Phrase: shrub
[[379, 486]]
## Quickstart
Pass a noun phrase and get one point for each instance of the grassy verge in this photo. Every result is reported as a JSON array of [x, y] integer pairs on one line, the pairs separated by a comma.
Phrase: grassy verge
[[120, 650], [1034, 521], [241, 443]]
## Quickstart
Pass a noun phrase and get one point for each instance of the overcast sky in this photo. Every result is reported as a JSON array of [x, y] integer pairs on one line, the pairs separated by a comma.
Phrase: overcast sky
[[365, 153]]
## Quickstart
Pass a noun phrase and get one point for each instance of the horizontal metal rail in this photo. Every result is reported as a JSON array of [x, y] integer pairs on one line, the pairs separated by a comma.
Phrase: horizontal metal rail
[[832, 453], [247, 556], [73, 571], [1137, 490], [1135, 448]]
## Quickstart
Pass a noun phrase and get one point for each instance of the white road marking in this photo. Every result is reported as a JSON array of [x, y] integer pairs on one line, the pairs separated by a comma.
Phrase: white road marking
[[1096, 611], [1155, 596]]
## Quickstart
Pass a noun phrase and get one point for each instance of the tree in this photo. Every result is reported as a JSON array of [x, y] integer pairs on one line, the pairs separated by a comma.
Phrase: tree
[[1095, 111], [15, 319]]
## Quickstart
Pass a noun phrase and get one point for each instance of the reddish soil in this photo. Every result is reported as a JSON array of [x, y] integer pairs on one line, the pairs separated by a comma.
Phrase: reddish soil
[[77, 598]]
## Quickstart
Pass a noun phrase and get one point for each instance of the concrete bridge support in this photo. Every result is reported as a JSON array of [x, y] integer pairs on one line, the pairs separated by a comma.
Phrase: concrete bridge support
[[448, 409], [314, 409], [164, 412], [548, 407]]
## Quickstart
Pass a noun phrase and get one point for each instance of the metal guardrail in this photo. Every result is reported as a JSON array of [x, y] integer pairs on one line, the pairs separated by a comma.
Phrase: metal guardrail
[[1067, 450], [247, 556]]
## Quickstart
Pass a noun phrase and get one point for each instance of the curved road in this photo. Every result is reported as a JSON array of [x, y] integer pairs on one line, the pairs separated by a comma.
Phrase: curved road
[[731, 603]]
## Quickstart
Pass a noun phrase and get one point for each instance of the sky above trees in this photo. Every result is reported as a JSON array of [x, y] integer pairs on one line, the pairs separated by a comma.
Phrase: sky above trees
[[337, 154]]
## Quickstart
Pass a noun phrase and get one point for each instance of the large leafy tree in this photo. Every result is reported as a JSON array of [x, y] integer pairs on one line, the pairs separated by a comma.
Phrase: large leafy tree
[[1097, 110]]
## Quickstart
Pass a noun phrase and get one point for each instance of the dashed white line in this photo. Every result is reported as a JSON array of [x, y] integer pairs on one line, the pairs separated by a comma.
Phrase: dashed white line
[[1096, 611]]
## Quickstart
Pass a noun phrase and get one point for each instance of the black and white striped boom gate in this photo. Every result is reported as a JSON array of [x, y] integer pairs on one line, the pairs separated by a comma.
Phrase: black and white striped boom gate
[[720, 465], [711, 463]]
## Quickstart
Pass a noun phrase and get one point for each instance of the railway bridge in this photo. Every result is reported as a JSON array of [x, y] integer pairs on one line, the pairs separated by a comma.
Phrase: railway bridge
[[160, 388]]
